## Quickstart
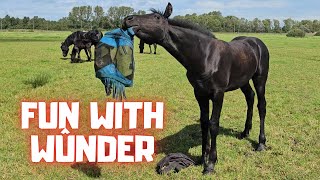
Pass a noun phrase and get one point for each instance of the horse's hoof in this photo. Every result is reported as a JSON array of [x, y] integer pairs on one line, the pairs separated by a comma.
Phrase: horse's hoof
[[261, 147], [208, 171], [242, 135], [208, 168]]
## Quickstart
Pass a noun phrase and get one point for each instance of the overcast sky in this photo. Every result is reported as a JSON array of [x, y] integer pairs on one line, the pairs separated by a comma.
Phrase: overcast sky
[[280, 9]]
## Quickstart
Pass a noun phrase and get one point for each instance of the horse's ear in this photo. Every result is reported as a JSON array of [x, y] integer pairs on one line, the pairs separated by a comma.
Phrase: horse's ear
[[168, 11]]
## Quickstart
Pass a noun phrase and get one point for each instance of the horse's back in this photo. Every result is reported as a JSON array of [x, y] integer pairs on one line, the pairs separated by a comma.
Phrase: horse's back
[[261, 52]]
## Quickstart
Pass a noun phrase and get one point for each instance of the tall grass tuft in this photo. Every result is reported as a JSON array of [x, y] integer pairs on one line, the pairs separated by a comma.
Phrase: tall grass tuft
[[38, 80]]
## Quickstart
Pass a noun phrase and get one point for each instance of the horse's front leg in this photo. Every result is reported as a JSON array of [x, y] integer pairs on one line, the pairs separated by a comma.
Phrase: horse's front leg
[[214, 131], [75, 50], [88, 57], [203, 102], [79, 52], [155, 48]]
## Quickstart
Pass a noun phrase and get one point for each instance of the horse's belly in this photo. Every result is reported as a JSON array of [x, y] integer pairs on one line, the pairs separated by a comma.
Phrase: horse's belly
[[241, 74], [208, 84]]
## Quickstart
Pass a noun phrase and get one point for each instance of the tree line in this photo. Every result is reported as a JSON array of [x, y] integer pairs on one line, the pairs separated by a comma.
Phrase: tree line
[[88, 17], [215, 22]]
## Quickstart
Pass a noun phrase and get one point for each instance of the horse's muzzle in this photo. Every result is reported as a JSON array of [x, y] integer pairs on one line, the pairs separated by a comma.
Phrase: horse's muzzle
[[127, 22]]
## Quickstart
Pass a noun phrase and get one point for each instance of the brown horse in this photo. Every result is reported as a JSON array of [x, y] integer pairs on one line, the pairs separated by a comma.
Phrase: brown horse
[[213, 68]]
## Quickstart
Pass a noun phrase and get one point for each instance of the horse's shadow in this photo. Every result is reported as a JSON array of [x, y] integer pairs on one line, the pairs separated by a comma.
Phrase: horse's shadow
[[189, 137], [65, 58], [90, 169], [149, 53], [77, 60]]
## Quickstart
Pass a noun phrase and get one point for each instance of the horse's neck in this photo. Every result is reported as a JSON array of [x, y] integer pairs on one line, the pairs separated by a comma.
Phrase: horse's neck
[[70, 40], [189, 48]]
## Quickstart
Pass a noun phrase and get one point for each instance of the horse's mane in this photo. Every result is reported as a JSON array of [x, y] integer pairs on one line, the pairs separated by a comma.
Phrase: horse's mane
[[186, 24], [70, 39]]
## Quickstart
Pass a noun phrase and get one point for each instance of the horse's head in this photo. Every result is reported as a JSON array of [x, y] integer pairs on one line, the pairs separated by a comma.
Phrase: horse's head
[[94, 36], [151, 28], [64, 49]]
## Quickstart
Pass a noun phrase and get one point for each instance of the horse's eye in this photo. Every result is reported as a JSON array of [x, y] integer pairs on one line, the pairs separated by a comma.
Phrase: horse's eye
[[157, 16]]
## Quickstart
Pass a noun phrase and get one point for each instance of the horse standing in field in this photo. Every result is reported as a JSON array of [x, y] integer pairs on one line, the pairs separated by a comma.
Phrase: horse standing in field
[[80, 40], [213, 68], [89, 38], [70, 40], [141, 46]]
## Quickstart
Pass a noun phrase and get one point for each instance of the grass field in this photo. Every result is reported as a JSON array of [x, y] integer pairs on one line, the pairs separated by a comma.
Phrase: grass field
[[292, 121]]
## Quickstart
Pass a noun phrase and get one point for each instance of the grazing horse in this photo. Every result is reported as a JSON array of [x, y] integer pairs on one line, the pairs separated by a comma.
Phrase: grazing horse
[[213, 68], [70, 40], [141, 46]]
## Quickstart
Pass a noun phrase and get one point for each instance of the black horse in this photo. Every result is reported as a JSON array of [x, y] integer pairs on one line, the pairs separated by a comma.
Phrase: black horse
[[80, 40], [141, 46], [80, 44], [88, 39], [213, 68], [70, 40]]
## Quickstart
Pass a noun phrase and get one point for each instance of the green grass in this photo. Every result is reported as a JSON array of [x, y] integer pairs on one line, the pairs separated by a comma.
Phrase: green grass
[[292, 122]]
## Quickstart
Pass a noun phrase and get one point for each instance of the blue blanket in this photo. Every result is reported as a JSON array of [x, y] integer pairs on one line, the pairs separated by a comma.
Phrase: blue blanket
[[114, 62]]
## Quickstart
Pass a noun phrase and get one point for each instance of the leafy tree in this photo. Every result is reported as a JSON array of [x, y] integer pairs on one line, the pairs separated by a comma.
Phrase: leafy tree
[[288, 24], [140, 12], [98, 16], [257, 25], [316, 26], [276, 26], [116, 15], [267, 25]]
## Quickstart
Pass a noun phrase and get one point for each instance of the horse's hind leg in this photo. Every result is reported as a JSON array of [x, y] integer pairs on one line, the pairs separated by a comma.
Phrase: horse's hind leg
[[155, 48], [79, 52], [150, 48], [259, 84], [249, 94], [88, 53]]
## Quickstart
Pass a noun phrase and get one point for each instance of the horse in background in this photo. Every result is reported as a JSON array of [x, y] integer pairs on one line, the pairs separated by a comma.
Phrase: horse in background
[[89, 38], [70, 40], [80, 40], [141, 46]]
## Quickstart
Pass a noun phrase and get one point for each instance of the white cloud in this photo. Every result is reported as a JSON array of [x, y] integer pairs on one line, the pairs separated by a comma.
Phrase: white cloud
[[240, 4]]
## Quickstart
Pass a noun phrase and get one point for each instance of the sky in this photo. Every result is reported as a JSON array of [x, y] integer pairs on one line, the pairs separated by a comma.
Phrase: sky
[[250, 9]]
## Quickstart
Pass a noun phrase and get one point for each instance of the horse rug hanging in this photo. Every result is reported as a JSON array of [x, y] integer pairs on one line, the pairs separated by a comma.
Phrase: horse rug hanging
[[114, 62]]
